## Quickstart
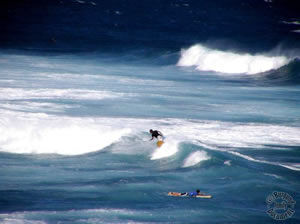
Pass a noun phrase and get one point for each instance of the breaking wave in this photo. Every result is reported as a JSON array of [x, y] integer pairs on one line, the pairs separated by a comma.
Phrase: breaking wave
[[166, 150], [207, 59], [194, 158], [40, 133]]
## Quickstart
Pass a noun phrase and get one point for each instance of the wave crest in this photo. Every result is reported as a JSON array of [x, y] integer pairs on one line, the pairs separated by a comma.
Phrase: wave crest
[[195, 158], [41, 133], [206, 59]]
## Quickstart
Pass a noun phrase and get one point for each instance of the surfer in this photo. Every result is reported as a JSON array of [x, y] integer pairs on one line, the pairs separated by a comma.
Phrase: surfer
[[190, 194], [155, 134], [194, 193], [159, 136]]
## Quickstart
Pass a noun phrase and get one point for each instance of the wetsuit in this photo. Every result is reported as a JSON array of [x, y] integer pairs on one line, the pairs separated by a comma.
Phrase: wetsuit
[[156, 134]]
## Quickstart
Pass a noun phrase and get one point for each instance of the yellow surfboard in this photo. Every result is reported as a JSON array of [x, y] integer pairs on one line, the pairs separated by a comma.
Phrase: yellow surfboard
[[159, 143]]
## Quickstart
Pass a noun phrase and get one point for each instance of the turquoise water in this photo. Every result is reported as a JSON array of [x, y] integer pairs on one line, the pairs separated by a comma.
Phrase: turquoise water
[[75, 142]]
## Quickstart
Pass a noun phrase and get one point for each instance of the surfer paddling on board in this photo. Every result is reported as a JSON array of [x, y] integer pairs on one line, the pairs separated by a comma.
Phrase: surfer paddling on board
[[158, 135], [190, 194]]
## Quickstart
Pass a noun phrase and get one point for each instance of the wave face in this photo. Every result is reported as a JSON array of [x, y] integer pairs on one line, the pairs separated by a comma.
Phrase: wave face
[[286, 75], [206, 59]]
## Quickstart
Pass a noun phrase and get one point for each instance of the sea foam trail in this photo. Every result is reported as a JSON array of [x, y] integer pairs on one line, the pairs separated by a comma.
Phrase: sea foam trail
[[291, 166], [78, 94], [206, 59], [101, 215]]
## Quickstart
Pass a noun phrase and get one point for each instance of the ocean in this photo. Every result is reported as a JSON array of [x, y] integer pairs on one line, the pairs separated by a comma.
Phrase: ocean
[[83, 81]]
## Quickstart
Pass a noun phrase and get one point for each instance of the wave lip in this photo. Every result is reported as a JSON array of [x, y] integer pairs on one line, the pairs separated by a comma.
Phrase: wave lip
[[206, 59]]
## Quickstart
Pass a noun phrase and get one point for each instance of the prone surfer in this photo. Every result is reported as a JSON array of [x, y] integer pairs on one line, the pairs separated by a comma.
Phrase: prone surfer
[[190, 194], [194, 193]]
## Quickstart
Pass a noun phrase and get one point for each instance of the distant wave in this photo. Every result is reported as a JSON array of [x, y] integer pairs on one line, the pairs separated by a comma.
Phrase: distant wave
[[207, 59]]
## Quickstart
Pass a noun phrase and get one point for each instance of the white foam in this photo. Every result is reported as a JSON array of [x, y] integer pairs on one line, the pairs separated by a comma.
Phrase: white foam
[[36, 106], [290, 166], [273, 175], [21, 221], [217, 135], [291, 22], [91, 215], [206, 59], [169, 148], [247, 157], [194, 158], [227, 162], [40, 133], [78, 94], [81, 2], [110, 79]]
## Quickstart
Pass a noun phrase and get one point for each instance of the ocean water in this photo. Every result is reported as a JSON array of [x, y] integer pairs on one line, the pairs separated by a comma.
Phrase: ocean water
[[83, 81]]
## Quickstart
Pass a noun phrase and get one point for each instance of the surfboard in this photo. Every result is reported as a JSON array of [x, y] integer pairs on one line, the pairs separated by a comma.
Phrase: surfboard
[[178, 194], [159, 143], [204, 196]]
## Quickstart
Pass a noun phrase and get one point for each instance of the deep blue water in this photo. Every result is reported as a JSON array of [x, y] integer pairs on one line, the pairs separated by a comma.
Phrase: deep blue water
[[82, 82]]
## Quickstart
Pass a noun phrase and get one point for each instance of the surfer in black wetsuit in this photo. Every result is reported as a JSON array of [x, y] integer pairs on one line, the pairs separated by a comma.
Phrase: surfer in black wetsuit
[[155, 134]]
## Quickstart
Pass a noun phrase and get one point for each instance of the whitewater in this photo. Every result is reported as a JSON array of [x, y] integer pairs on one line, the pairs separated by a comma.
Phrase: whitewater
[[206, 59]]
